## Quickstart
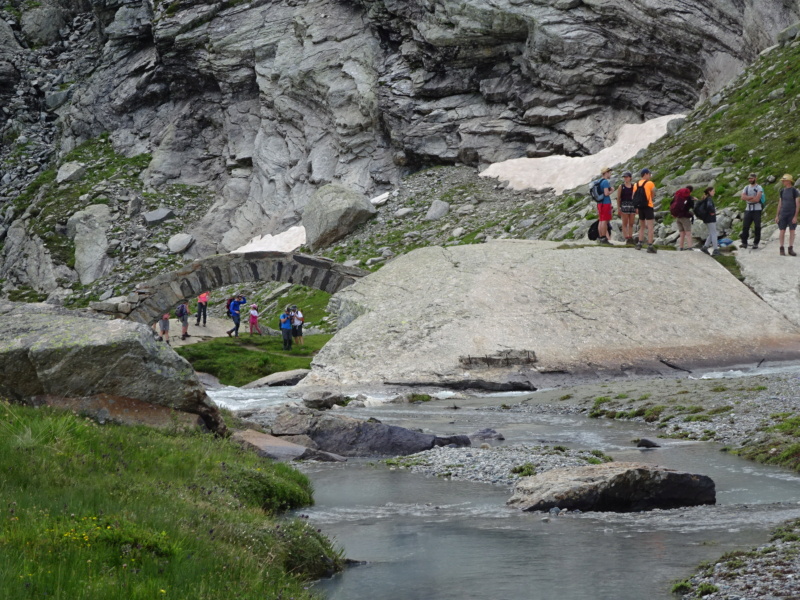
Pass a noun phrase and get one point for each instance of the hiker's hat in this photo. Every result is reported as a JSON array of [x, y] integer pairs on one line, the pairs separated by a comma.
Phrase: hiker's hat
[[645, 171], [166, 316], [752, 176], [254, 306], [627, 174], [787, 177], [605, 170], [294, 306]]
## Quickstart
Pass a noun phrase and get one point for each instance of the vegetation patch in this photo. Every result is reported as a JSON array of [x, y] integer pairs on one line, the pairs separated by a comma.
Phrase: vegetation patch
[[112, 511], [524, 470], [238, 361], [781, 448]]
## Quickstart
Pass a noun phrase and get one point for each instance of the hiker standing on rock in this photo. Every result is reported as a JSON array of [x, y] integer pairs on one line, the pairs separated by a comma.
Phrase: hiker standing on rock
[[286, 328], [182, 313], [625, 207], [234, 308], [297, 325], [753, 196], [787, 212], [202, 307], [647, 216], [604, 206], [681, 208], [707, 212]]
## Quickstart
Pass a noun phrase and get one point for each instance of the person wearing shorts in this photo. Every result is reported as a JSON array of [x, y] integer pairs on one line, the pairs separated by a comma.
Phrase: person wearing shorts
[[162, 328], [683, 216], [625, 207], [604, 207], [646, 213], [788, 207]]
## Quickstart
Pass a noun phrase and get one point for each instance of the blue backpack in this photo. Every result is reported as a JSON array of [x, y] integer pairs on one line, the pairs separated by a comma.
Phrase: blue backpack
[[596, 191]]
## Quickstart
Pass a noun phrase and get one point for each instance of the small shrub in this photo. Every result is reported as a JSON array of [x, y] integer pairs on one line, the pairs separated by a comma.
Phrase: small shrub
[[526, 470], [705, 588], [682, 587]]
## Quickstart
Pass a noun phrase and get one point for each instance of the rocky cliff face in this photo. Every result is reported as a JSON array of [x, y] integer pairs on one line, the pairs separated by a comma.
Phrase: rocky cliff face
[[266, 101]]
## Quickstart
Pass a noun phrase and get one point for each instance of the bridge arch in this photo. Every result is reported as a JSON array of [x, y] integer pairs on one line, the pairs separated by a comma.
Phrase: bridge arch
[[152, 298]]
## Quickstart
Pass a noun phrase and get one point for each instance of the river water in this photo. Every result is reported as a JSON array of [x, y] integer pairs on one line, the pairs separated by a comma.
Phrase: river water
[[427, 538]]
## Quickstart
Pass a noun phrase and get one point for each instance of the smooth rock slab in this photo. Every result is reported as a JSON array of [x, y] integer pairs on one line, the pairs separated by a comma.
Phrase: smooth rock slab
[[332, 213], [282, 378], [614, 487], [352, 437], [275, 448]]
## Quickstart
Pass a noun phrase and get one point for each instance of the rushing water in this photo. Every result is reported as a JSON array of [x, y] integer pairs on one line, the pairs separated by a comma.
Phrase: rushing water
[[427, 538]]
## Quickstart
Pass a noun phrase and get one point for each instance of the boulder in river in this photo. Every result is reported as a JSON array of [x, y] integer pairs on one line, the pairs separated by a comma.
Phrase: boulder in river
[[615, 487], [347, 436], [110, 369]]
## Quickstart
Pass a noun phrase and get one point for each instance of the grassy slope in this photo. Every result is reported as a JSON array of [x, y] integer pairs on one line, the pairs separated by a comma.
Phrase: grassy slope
[[237, 361], [129, 513]]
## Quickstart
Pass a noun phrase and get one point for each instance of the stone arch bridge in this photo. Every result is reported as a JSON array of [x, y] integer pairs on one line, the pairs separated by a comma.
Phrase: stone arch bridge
[[162, 293]]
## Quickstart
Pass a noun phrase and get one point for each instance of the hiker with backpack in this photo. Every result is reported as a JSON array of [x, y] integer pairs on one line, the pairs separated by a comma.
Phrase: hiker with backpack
[[788, 207], [754, 200], [235, 310], [625, 207], [644, 194], [681, 208], [601, 189], [707, 212], [182, 314]]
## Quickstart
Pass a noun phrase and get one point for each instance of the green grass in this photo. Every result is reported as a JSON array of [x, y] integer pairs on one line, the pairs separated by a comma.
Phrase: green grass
[[312, 302], [782, 447], [237, 361], [130, 512], [524, 470]]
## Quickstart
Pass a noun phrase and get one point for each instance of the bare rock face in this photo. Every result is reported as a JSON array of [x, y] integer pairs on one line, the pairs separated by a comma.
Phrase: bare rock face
[[517, 312], [87, 228], [333, 212], [55, 356], [352, 437], [288, 97], [616, 487]]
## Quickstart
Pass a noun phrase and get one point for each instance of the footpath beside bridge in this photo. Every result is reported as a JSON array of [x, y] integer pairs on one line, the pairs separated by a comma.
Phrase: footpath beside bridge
[[162, 293]]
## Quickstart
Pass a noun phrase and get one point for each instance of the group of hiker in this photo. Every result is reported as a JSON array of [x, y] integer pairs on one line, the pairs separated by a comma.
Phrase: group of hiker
[[634, 199], [291, 319]]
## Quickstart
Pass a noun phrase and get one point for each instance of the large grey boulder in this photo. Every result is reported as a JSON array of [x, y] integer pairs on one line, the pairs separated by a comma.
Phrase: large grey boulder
[[352, 437], [437, 210], [509, 313], [70, 171], [617, 487], [333, 212], [87, 228], [41, 25], [54, 356], [26, 261], [282, 378], [180, 242]]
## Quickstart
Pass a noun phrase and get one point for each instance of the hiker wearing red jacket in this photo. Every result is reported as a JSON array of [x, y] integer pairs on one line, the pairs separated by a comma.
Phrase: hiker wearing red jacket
[[681, 208]]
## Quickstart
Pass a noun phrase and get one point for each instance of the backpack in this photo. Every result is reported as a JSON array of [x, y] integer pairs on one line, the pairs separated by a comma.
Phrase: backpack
[[701, 209], [181, 311], [228, 306], [676, 207], [639, 197], [596, 192]]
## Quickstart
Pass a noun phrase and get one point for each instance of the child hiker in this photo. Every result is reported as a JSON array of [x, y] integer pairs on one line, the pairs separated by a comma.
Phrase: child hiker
[[254, 319]]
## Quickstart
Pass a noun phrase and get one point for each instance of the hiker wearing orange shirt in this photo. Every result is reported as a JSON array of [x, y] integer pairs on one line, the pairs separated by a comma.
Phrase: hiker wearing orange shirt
[[646, 212], [202, 307]]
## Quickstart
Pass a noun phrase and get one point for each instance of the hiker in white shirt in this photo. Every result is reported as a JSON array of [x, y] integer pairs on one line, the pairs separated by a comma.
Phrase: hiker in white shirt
[[297, 325]]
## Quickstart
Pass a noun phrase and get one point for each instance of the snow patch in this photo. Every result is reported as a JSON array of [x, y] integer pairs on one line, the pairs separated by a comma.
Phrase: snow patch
[[287, 241], [567, 172]]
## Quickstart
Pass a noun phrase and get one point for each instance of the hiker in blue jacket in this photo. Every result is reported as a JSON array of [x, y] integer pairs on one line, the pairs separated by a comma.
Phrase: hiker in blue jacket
[[235, 308], [286, 328]]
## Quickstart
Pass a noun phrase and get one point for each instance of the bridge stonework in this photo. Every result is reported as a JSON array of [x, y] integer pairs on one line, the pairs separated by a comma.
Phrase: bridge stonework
[[162, 293]]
